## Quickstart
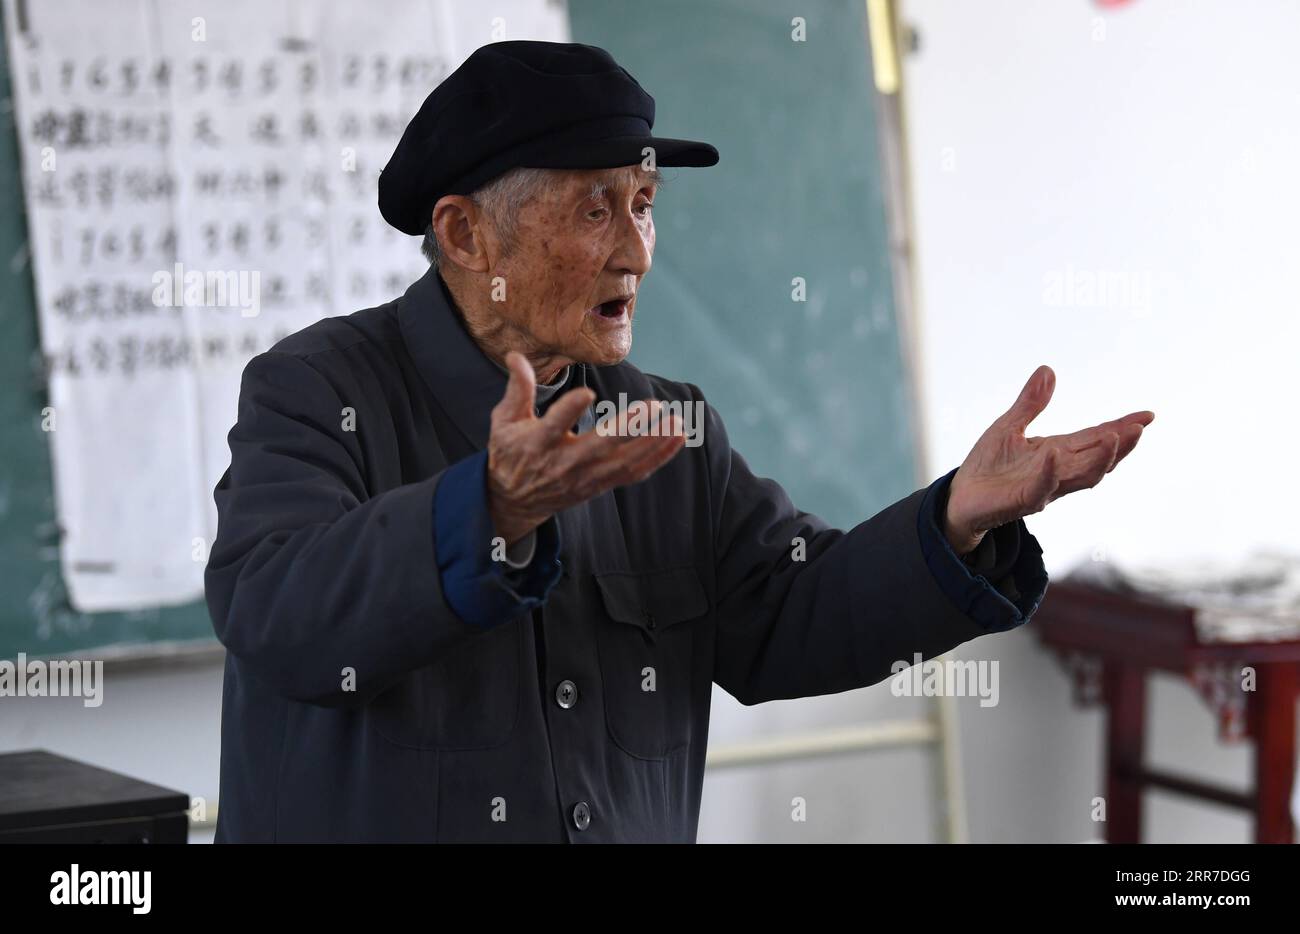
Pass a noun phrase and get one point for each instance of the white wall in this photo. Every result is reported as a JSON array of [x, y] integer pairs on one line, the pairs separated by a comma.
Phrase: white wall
[[1164, 152], [1156, 143]]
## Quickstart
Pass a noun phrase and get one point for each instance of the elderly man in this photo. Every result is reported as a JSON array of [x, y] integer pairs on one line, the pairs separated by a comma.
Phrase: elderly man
[[457, 608]]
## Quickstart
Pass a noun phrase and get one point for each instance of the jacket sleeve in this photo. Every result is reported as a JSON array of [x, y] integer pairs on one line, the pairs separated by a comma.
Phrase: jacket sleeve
[[482, 591], [327, 593], [983, 582], [804, 609]]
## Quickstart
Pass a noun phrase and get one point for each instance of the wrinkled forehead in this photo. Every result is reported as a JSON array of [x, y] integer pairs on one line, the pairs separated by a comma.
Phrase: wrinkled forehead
[[596, 183]]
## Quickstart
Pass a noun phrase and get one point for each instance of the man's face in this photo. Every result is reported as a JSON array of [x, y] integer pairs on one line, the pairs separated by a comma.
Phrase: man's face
[[577, 262]]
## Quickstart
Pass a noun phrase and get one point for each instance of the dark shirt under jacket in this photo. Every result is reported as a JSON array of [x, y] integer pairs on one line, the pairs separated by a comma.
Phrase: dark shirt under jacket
[[494, 704]]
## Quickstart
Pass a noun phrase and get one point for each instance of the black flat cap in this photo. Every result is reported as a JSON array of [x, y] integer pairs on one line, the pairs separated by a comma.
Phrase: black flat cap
[[519, 104]]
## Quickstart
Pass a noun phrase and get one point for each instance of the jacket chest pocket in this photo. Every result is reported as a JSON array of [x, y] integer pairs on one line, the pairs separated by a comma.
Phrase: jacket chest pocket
[[646, 644], [468, 699]]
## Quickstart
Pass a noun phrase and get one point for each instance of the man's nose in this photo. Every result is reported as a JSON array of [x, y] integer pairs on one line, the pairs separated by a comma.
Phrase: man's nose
[[632, 250]]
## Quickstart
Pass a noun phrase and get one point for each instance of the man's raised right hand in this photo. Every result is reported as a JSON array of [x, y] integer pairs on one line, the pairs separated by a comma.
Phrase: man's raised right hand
[[538, 466]]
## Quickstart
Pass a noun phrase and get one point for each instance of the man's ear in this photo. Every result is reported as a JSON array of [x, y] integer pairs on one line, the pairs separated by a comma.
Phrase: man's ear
[[458, 223]]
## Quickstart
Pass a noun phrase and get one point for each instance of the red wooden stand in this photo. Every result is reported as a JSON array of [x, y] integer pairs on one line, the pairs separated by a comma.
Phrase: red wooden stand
[[1110, 641]]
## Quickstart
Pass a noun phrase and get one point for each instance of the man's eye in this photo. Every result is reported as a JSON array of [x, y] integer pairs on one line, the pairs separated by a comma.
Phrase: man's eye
[[645, 208], [596, 214]]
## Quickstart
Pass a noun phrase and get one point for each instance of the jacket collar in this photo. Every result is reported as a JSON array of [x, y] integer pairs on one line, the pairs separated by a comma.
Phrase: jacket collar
[[464, 381]]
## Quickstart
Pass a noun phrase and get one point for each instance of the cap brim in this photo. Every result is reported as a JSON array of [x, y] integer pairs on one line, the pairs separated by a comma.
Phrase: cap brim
[[616, 151]]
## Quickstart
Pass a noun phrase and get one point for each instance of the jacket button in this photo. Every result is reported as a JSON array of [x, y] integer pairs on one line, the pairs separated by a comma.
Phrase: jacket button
[[581, 815], [566, 694]]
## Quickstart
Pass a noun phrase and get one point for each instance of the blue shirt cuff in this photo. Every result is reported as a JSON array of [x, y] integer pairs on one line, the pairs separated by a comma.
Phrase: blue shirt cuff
[[481, 591], [1018, 584]]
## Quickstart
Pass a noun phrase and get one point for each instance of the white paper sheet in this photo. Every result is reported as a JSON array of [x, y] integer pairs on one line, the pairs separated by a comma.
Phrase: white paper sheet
[[240, 142], [1256, 598]]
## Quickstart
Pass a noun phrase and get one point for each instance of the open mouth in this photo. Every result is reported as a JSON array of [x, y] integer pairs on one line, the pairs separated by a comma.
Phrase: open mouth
[[612, 310]]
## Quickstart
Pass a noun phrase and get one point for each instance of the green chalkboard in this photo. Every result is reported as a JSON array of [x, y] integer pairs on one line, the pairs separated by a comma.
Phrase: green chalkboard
[[815, 394], [35, 615]]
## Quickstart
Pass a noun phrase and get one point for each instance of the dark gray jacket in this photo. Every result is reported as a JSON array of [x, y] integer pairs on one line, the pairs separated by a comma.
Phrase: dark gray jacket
[[540, 728]]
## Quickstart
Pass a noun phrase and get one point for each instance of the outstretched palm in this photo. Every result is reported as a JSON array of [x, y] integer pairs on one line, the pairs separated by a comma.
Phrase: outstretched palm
[[1007, 476]]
